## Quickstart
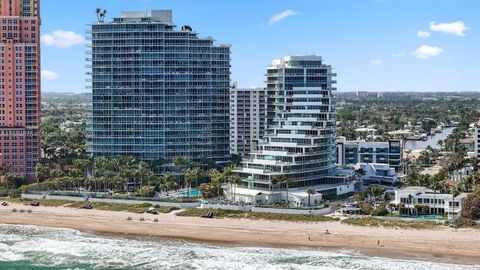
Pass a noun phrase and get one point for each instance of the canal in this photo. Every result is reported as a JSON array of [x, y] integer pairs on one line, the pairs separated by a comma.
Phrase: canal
[[432, 140]]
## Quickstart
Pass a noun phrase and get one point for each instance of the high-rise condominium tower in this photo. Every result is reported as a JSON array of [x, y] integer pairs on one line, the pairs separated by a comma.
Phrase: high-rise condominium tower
[[19, 86], [158, 92], [300, 139], [247, 118]]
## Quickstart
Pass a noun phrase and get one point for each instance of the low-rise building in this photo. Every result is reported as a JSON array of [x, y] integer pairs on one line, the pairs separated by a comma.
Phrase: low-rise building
[[379, 173], [410, 199], [353, 152]]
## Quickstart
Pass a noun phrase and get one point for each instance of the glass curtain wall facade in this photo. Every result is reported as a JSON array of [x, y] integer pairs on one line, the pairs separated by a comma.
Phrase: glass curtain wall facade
[[158, 92], [300, 138], [19, 87]]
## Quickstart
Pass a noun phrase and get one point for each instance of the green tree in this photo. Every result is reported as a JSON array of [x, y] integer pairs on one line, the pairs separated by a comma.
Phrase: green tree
[[287, 181], [358, 197], [217, 178], [169, 182], [471, 206], [42, 173], [377, 192], [234, 180], [454, 192], [180, 162], [191, 175], [310, 191]]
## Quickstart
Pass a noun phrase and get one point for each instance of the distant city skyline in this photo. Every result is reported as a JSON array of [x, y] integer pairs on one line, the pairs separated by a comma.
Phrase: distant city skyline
[[375, 45]]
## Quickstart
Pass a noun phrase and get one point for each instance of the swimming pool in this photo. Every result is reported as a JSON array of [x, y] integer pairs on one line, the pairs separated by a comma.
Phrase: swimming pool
[[193, 193]]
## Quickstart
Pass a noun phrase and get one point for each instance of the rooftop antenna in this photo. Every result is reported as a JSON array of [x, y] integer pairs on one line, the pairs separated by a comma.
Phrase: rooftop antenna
[[101, 14]]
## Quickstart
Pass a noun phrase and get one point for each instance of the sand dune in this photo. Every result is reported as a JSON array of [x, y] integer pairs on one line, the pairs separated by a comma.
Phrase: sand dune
[[446, 244]]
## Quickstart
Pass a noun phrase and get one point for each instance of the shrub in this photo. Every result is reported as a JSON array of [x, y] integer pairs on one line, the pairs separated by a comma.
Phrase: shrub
[[376, 222], [221, 213], [147, 191], [463, 222], [146, 204], [471, 207]]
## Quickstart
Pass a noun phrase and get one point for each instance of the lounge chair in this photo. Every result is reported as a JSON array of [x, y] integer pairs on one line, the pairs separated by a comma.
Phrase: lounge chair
[[152, 211], [129, 218], [207, 214], [35, 203], [155, 220], [87, 206]]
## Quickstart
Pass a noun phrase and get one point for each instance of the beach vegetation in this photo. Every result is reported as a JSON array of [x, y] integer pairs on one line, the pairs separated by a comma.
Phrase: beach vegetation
[[463, 222], [377, 222], [123, 207], [471, 206], [221, 213]]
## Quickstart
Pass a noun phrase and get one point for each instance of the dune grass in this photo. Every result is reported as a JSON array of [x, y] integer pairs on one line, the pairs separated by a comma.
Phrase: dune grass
[[123, 207], [221, 213], [376, 222], [49, 203]]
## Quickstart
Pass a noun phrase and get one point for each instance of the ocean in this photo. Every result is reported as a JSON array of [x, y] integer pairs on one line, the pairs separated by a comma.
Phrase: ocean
[[38, 248]]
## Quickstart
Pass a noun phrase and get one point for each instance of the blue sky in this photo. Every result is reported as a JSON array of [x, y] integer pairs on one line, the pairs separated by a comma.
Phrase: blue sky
[[373, 45]]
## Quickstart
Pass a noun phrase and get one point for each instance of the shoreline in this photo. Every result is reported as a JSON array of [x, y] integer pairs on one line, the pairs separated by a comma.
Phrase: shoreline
[[446, 245]]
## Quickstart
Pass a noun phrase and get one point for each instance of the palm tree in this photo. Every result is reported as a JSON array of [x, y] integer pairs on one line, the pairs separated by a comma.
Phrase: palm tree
[[475, 164], [229, 173], [273, 183], [169, 182], [310, 191], [179, 162], [217, 179], [410, 203], [287, 181], [101, 13], [10, 180], [435, 186], [143, 171], [376, 192], [455, 193], [234, 180], [191, 175]]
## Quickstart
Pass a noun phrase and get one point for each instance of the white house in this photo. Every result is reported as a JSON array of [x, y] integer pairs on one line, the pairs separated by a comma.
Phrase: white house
[[379, 173], [438, 204], [297, 197]]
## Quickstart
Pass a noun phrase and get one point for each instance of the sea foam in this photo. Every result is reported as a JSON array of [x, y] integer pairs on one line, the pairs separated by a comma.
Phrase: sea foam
[[66, 248]]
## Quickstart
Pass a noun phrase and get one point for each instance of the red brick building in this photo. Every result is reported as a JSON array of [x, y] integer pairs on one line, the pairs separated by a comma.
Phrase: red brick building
[[19, 86]]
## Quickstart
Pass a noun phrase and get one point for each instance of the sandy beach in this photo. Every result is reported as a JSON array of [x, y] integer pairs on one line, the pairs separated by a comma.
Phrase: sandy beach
[[444, 244]]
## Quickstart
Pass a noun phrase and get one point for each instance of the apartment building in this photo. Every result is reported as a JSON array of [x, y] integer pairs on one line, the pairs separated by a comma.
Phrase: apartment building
[[247, 119], [19, 87], [300, 139], [158, 92], [353, 152]]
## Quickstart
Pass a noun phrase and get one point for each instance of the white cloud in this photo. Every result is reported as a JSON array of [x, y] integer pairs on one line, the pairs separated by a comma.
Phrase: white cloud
[[426, 51], [281, 16], [457, 28], [49, 75], [423, 34], [376, 62], [399, 55], [62, 39]]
